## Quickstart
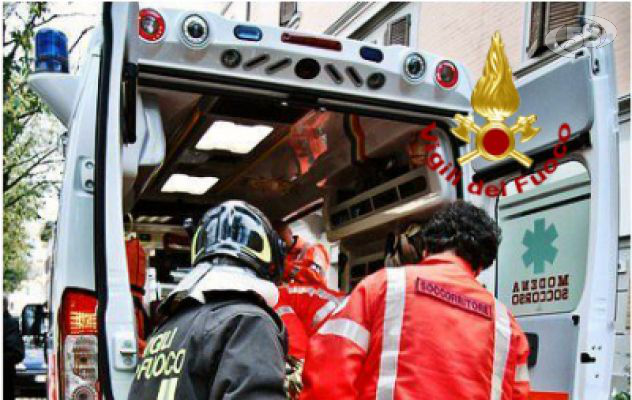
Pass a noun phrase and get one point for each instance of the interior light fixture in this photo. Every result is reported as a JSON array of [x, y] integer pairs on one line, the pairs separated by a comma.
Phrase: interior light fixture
[[226, 135], [188, 184]]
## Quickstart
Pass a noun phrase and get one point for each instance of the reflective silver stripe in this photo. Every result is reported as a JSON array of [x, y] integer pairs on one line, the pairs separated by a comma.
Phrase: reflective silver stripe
[[340, 306], [323, 312], [348, 329], [281, 311], [502, 338], [522, 373], [393, 318]]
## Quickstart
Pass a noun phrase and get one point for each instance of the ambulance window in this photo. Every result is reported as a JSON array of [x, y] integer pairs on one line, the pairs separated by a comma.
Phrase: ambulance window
[[542, 259]]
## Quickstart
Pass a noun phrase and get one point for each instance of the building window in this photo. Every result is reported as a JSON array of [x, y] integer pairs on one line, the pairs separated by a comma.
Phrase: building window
[[547, 17], [398, 31], [288, 13]]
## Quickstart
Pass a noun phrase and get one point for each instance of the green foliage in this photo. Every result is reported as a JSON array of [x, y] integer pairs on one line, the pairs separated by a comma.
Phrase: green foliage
[[29, 138]]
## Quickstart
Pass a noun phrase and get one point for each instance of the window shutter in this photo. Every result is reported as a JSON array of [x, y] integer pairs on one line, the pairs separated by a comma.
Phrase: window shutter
[[287, 11], [546, 17], [564, 15], [398, 31]]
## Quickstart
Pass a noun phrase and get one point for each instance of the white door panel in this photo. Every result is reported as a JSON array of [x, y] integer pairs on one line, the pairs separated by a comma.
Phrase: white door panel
[[575, 335], [114, 289]]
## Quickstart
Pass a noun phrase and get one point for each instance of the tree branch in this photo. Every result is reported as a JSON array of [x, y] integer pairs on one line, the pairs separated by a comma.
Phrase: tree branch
[[28, 113], [29, 192], [81, 35], [27, 172]]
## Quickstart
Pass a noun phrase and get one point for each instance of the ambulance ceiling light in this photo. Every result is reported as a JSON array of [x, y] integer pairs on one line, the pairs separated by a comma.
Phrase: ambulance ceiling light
[[181, 183], [151, 25], [226, 135]]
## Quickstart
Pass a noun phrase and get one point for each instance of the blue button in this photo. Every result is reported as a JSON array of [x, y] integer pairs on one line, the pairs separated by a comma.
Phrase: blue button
[[245, 32], [371, 54]]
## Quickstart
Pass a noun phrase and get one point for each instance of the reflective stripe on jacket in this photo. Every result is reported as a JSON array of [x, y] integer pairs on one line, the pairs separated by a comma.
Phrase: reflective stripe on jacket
[[303, 308], [423, 331]]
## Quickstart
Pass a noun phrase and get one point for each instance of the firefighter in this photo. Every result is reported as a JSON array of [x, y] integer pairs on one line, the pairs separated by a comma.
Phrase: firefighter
[[221, 338], [429, 330]]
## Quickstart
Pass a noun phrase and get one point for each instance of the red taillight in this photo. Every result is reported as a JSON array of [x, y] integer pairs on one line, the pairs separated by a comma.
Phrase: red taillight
[[446, 74], [321, 43], [79, 363], [151, 25]]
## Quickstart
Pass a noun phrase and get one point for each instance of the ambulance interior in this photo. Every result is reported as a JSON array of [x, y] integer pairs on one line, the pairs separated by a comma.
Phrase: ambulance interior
[[320, 171], [345, 179]]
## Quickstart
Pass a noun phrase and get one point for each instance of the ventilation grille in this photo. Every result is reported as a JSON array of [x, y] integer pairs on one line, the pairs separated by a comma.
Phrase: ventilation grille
[[405, 187]]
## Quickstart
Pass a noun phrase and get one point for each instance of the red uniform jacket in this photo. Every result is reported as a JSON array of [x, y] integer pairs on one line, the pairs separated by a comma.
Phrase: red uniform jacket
[[303, 308], [428, 331]]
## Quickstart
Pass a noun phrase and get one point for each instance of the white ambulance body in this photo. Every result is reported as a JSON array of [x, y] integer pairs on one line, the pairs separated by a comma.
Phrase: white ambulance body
[[324, 124]]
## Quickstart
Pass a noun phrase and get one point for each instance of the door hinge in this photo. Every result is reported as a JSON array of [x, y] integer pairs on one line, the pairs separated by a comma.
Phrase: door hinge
[[125, 351], [87, 174]]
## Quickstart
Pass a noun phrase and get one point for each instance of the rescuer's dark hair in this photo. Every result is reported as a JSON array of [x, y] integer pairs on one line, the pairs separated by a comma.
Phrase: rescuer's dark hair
[[467, 230]]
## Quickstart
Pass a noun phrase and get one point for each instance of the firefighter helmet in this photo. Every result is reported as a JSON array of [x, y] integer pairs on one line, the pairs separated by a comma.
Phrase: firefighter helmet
[[238, 230]]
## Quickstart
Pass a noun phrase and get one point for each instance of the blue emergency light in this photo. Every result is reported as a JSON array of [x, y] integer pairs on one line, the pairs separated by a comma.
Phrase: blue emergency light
[[51, 51]]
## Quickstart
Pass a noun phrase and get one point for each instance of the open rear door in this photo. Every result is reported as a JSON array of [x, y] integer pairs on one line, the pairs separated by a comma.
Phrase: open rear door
[[557, 264], [115, 320]]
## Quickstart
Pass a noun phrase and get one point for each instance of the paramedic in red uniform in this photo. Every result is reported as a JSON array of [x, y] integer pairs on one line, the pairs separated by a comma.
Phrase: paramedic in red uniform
[[425, 331], [304, 299]]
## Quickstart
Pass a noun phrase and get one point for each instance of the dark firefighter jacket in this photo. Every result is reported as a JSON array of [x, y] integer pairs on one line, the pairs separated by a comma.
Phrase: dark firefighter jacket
[[231, 346]]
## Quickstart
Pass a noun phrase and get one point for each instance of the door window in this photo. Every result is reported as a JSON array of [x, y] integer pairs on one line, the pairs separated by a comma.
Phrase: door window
[[542, 258]]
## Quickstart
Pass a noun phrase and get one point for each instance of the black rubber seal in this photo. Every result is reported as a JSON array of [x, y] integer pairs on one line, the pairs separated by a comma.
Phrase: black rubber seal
[[100, 260]]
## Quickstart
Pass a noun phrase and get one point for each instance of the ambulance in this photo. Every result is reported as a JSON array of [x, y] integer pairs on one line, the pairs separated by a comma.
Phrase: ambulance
[[173, 111]]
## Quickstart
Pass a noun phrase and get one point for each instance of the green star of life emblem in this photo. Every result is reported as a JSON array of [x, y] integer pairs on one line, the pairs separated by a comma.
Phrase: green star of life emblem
[[539, 244]]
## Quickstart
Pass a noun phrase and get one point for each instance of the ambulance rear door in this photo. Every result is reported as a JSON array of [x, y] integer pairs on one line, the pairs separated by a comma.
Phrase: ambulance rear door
[[114, 129], [557, 263]]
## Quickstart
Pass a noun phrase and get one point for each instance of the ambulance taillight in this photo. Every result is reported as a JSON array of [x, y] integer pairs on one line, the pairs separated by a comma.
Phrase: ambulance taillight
[[79, 361], [51, 51], [446, 74], [151, 25]]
